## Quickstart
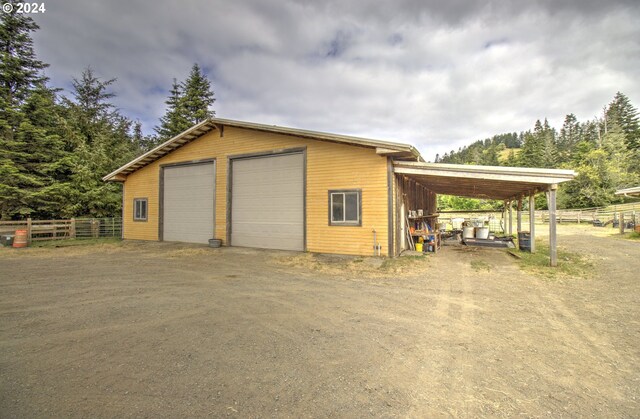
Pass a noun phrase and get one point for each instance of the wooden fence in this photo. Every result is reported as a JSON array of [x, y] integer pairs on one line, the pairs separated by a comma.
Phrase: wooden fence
[[74, 228], [628, 212]]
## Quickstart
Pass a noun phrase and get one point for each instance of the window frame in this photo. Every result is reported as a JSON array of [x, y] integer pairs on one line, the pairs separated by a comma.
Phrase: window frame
[[146, 209], [346, 223]]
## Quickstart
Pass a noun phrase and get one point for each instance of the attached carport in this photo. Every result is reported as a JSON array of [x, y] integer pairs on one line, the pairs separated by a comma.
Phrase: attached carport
[[508, 184]]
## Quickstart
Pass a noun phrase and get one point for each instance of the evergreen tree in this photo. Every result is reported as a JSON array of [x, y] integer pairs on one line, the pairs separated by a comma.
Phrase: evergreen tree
[[570, 134], [512, 159], [175, 119], [622, 113], [198, 96], [103, 142], [51, 159], [22, 140], [600, 172], [532, 148], [550, 150], [142, 142], [188, 104], [20, 70]]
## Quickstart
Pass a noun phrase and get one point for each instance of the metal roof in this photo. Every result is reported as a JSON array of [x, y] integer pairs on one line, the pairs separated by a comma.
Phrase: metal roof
[[382, 147], [485, 182], [635, 191]]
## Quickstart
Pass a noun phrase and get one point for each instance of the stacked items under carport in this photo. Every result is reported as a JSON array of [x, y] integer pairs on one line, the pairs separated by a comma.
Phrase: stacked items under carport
[[423, 229]]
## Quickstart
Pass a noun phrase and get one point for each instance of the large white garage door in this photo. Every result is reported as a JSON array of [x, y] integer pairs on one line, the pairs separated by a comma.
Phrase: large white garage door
[[267, 202], [188, 203]]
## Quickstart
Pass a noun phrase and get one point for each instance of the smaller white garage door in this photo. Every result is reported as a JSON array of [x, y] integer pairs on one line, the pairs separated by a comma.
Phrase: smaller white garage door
[[267, 202], [188, 203]]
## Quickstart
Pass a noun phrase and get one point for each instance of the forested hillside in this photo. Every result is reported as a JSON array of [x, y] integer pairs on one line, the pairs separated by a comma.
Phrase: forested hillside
[[605, 153], [55, 146]]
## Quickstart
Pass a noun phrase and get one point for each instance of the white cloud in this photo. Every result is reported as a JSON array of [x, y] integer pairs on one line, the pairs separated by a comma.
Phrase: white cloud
[[438, 75]]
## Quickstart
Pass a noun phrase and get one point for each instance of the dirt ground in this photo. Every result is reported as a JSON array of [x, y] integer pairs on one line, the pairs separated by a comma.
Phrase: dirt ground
[[169, 330]]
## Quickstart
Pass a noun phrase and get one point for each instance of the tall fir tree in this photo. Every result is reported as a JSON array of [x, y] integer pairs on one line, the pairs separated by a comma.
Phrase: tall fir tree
[[532, 148], [550, 150], [621, 112], [51, 156], [175, 119], [570, 134], [103, 142], [20, 70], [198, 96], [189, 103], [22, 83]]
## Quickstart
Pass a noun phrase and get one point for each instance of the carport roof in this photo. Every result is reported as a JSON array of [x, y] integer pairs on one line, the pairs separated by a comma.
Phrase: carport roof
[[383, 148], [485, 182], [635, 191]]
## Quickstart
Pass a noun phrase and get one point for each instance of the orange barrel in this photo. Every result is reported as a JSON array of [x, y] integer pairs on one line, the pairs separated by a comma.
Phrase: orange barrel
[[21, 238]]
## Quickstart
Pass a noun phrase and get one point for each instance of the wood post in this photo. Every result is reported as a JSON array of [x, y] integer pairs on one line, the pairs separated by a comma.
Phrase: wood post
[[532, 222], [519, 214], [29, 225], [621, 225], [510, 219], [553, 244], [72, 229], [95, 228], [504, 218]]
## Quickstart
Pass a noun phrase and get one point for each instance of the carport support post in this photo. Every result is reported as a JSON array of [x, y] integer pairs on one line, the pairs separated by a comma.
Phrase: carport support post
[[532, 222], [553, 250], [510, 218], [504, 218]]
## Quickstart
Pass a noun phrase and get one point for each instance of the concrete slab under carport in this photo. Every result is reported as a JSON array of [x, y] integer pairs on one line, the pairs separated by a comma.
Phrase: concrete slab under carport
[[507, 184]]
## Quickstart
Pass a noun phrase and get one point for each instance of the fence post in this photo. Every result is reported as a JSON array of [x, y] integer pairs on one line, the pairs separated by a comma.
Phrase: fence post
[[29, 230], [94, 228], [72, 229], [621, 225]]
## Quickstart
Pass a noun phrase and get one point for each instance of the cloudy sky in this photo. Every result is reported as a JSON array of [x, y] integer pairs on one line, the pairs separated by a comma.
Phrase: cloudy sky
[[436, 74]]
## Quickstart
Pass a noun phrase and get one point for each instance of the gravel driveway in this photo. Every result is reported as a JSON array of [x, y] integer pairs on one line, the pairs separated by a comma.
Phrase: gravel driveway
[[168, 330]]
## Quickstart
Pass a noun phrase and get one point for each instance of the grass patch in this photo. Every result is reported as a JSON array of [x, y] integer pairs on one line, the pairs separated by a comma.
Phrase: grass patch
[[631, 236], [570, 265], [357, 266], [397, 264], [75, 242], [480, 265]]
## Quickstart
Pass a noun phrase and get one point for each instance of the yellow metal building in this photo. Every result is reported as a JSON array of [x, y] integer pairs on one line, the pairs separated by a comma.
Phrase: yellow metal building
[[265, 186]]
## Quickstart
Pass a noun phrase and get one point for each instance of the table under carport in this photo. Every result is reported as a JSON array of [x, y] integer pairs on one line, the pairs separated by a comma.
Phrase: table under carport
[[421, 182]]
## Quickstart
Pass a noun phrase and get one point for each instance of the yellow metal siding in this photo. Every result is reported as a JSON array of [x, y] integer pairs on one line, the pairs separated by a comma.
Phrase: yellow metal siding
[[329, 166]]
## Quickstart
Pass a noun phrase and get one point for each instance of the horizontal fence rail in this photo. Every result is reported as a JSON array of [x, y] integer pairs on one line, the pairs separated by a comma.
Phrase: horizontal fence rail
[[603, 215], [609, 215], [74, 228]]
